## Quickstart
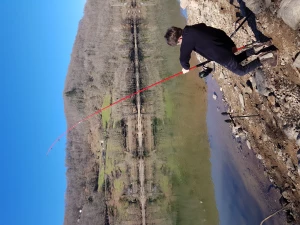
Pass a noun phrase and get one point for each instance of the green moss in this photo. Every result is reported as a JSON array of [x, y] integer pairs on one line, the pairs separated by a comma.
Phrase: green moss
[[165, 184], [106, 113], [119, 186], [101, 179]]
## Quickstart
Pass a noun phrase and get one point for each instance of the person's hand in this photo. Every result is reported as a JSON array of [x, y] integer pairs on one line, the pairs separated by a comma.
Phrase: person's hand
[[184, 71]]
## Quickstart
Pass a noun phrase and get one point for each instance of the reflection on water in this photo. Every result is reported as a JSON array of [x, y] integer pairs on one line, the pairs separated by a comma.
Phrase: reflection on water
[[238, 201]]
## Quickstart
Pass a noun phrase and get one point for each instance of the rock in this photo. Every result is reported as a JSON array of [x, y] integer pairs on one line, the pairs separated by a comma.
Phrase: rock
[[272, 99], [241, 97], [286, 105], [290, 132], [286, 194], [222, 75], [256, 6], [265, 137], [289, 164], [248, 144], [259, 156], [297, 61], [276, 109], [253, 82], [289, 12], [215, 96], [248, 90], [260, 80]]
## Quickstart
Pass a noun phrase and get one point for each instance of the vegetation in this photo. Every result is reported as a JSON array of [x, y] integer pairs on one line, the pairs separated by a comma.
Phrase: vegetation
[[106, 113]]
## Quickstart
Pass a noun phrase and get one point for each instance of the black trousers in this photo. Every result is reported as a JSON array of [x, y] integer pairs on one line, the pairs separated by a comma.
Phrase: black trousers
[[233, 63]]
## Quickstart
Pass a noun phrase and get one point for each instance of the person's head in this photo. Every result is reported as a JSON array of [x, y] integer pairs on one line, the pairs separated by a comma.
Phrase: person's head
[[173, 36]]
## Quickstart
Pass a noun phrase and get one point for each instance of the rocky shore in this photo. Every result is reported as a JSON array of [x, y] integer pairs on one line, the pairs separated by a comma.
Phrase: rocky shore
[[273, 93]]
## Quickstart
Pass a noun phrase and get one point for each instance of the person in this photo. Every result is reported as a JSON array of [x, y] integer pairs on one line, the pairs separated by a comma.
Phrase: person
[[215, 45]]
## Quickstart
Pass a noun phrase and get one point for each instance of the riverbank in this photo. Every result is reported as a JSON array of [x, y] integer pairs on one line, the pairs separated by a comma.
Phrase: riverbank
[[243, 193]]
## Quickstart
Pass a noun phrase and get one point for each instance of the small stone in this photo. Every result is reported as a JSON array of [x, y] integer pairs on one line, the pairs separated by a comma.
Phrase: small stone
[[241, 97], [252, 80], [286, 194], [248, 90], [272, 99], [222, 75], [215, 96], [290, 165], [259, 156], [286, 105], [265, 138], [260, 81], [248, 144], [290, 132], [276, 109]]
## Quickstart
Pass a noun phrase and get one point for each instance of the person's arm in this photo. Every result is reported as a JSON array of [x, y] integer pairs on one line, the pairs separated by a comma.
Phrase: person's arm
[[185, 54]]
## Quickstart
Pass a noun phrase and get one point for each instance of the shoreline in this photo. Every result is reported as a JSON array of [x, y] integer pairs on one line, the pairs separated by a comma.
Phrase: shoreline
[[244, 174]]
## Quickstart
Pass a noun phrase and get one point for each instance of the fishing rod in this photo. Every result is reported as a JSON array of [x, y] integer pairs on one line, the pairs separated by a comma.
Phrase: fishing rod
[[205, 72]]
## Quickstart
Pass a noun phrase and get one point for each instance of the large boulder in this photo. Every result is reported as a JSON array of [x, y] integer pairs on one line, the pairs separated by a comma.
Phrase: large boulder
[[289, 11]]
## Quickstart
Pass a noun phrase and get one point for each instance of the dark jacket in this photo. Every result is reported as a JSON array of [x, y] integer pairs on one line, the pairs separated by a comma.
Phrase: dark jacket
[[211, 43]]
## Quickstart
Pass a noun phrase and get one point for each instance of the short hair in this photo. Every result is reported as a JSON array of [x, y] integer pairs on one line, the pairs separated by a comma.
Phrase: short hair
[[172, 35]]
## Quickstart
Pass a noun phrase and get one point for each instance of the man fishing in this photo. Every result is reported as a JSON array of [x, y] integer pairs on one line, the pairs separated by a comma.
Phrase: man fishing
[[215, 45]]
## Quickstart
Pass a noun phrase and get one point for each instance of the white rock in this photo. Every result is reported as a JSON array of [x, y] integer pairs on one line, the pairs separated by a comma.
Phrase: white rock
[[222, 75], [215, 96], [289, 164], [259, 156], [241, 97], [289, 12], [248, 144]]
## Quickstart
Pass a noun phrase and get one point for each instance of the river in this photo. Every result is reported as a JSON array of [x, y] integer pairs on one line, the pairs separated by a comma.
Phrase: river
[[215, 179]]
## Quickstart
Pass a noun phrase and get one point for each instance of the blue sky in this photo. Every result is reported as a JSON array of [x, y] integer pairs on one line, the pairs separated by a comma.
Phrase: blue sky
[[36, 43]]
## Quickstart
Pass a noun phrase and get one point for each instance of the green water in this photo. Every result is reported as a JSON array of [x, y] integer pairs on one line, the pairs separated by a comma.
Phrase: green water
[[182, 137]]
